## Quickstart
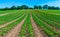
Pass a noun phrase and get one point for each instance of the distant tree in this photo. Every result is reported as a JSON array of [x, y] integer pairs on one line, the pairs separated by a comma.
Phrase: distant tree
[[53, 8], [24, 7], [49, 7], [18, 7], [57, 8], [6, 8], [40, 7], [13, 7], [37, 7], [45, 7], [31, 8]]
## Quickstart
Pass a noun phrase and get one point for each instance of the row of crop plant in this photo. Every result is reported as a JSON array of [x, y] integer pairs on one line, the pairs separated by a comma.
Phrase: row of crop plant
[[27, 30], [6, 29], [48, 30]]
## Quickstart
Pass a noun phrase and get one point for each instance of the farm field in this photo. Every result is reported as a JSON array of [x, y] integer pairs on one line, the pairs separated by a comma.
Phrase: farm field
[[30, 23]]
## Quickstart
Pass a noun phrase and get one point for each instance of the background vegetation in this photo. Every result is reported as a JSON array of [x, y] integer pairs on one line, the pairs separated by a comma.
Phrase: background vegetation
[[45, 7]]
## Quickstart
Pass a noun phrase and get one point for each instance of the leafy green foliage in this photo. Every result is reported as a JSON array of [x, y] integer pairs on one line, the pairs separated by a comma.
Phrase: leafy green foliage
[[6, 29], [27, 29]]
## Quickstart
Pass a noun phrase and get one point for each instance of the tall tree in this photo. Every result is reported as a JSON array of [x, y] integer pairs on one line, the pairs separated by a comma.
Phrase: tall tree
[[40, 7], [24, 7], [18, 7], [13, 7], [6, 8], [45, 7], [57, 8], [53, 8], [37, 7]]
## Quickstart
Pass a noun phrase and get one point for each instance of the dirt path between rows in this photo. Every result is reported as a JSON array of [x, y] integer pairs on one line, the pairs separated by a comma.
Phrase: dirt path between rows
[[15, 32], [4, 25], [37, 32], [56, 22], [55, 14], [55, 29], [51, 26], [50, 20], [6, 14]]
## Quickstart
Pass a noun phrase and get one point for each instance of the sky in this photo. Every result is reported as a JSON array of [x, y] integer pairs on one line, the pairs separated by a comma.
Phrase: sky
[[9, 3]]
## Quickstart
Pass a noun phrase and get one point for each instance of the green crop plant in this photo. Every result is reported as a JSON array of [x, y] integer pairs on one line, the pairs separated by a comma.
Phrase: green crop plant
[[6, 29]]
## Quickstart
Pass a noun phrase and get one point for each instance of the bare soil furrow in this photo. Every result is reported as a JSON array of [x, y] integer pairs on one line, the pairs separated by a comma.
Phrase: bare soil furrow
[[15, 32], [52, 27], [6, 14], [4, 25], [37, 32]]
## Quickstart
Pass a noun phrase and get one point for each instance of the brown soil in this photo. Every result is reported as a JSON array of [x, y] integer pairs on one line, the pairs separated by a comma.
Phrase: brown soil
[[4, 25], [56, 22], [55, 29], [6, 14], [15, 32], [27, 33], [37, 32]]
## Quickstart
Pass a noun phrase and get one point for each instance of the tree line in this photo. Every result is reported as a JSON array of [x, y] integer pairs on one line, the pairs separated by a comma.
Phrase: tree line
[[46, 7]]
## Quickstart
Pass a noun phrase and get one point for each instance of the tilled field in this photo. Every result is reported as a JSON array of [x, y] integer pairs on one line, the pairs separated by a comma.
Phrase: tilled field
[[29, 23]]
